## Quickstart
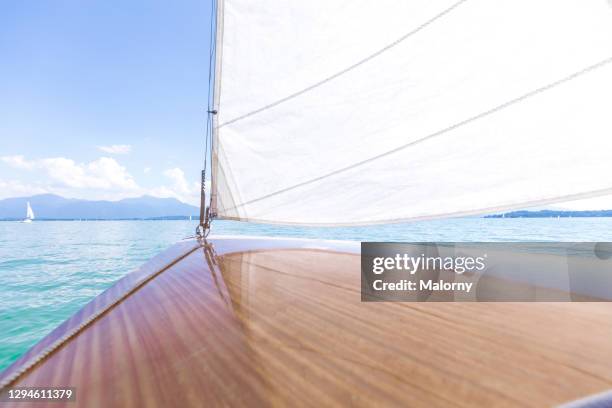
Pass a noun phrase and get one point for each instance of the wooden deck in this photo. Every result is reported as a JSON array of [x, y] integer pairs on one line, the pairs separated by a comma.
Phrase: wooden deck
[[286, 327]]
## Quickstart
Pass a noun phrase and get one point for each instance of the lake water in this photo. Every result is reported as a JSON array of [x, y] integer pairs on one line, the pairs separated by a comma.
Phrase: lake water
[[49, 270]]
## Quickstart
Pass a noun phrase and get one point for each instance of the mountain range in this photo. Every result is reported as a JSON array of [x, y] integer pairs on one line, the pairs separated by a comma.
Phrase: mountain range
[[54, 207]]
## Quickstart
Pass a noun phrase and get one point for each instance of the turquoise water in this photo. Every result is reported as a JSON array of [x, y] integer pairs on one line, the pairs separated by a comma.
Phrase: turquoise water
[[49, 270]]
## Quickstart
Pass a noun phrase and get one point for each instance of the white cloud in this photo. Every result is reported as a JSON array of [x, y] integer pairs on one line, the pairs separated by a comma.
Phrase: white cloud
[[178, 178], [103, 178], [115, 149], [18, 161], [103, 173], [179, 188], [146, 170], [15, 188]]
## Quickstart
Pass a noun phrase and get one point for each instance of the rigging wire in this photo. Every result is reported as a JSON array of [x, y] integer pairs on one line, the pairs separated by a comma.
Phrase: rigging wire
[[211, 56], [205, 219]]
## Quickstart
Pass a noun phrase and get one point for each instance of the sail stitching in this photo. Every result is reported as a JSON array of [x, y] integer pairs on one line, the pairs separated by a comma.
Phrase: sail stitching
[[348, 69], [441, 132]]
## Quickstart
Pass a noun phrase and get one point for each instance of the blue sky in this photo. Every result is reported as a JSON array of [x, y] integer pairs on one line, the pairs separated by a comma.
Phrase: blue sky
[[102, 99]]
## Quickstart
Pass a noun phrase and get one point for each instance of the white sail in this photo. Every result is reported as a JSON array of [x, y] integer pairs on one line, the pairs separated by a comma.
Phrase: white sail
[[29, 212], [338, 112]]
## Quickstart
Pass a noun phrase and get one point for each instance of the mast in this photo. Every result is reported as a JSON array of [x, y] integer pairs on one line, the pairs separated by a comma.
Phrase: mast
[[209, 213], [218, 53]]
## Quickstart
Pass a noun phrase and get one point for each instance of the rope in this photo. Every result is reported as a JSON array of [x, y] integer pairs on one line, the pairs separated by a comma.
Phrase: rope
[[29, 364]]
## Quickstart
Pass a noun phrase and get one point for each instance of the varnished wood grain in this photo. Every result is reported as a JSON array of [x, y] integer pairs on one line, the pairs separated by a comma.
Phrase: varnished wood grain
[[287, 327]]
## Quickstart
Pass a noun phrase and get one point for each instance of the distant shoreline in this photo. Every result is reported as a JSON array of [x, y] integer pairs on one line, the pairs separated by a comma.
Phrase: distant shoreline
[[513, 214], [553, 214]]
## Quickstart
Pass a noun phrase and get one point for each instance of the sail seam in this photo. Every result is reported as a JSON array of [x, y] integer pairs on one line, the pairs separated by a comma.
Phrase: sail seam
[[514, 206], [441, 132], [350, 68]]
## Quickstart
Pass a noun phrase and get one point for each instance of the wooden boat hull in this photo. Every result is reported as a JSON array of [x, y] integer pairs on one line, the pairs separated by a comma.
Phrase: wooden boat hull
[[280, 322]]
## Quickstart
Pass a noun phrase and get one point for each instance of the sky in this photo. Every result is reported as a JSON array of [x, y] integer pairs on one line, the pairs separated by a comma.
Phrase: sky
[[106, 99], [103, 99]]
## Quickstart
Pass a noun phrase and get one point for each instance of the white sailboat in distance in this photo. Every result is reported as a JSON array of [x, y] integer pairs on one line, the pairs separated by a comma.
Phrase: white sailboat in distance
[[29, 213]]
